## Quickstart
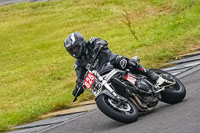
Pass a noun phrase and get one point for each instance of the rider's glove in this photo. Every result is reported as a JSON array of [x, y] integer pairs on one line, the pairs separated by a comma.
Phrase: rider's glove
[[76, 92]]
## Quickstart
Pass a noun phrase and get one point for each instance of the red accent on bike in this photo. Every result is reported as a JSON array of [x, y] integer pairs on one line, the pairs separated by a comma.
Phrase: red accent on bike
[[89, 80], [130, 78], [142, 69]]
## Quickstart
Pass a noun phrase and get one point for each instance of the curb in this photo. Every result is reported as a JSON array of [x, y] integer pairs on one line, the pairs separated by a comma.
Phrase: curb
[[182, 57], [86, 106], [194, 52], [191, 71]]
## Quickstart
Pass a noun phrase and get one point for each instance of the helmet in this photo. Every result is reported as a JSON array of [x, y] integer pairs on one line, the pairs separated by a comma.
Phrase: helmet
[[75, 44]]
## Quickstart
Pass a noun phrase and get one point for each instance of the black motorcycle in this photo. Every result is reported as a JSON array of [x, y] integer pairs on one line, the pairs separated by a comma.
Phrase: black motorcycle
[[121, 95]]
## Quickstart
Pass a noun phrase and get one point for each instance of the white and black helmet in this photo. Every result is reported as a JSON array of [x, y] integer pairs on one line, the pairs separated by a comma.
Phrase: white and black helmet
[[75, 44]]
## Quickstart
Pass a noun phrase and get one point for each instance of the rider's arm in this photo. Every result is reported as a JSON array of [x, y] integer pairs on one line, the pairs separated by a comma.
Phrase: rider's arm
[[95, 43], [107, 55], [80, 71]]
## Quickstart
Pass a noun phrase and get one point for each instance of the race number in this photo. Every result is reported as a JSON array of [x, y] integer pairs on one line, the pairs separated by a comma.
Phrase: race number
[[89, 80], [130, 78]]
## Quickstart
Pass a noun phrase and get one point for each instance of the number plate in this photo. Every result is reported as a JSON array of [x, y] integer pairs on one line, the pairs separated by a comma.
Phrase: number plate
[[130, 78], [89, 80]]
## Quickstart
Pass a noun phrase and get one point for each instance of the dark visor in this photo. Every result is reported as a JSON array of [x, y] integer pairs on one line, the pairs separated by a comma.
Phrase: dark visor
[[74, 51]]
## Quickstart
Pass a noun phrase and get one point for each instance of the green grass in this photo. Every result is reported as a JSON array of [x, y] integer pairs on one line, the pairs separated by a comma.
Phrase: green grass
[[36, 73]]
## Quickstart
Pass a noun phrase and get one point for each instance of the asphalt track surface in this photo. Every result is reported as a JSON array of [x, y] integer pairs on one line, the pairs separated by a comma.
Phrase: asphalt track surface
[[183, 117], [7, 2]]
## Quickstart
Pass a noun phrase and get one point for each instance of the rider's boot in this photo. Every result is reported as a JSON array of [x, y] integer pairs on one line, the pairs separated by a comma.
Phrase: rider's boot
[[160, 80]]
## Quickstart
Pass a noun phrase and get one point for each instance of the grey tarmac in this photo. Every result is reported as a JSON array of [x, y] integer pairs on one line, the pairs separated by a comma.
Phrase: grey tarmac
[[7, 2]]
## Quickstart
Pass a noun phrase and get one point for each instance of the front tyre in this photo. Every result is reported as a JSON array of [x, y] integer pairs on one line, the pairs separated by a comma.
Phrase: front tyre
[[125, 113], [173, 94]]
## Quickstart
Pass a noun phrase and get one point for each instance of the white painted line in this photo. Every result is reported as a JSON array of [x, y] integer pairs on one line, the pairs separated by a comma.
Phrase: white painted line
[[192, 64], [174, 73], [182, 75], [171, 68]]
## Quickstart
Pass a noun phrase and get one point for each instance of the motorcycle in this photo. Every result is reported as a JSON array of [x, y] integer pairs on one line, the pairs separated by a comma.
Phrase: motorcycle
[[122, 95]]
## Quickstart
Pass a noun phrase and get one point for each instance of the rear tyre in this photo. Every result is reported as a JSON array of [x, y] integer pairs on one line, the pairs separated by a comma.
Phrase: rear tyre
[[125, 113], [173, 94]]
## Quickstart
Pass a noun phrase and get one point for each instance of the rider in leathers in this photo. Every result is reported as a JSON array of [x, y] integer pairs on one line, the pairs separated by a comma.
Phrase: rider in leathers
[[84, 52]]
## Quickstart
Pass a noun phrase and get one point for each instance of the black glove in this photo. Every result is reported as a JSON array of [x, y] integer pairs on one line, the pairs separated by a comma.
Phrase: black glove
[[75, 91]]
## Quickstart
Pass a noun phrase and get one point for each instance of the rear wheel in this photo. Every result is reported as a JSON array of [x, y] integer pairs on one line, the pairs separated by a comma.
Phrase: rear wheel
[[173, 94], [126, 113]]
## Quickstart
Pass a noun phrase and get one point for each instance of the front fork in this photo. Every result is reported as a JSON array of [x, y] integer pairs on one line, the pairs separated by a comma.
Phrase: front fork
[[109, 91]]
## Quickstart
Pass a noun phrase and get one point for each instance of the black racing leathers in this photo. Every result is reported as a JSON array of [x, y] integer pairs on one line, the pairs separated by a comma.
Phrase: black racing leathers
[[105, 56], [91, 49]]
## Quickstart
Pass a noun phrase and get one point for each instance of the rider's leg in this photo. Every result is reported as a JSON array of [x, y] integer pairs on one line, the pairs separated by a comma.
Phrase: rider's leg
[[123, 63]]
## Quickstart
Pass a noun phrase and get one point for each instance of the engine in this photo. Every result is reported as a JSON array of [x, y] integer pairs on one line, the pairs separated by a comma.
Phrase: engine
[[149, 99], [142, 85], [142, 89]]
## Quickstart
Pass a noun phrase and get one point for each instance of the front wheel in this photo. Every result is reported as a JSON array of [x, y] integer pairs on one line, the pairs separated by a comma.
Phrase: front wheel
[[173, 94], [126, 113]]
